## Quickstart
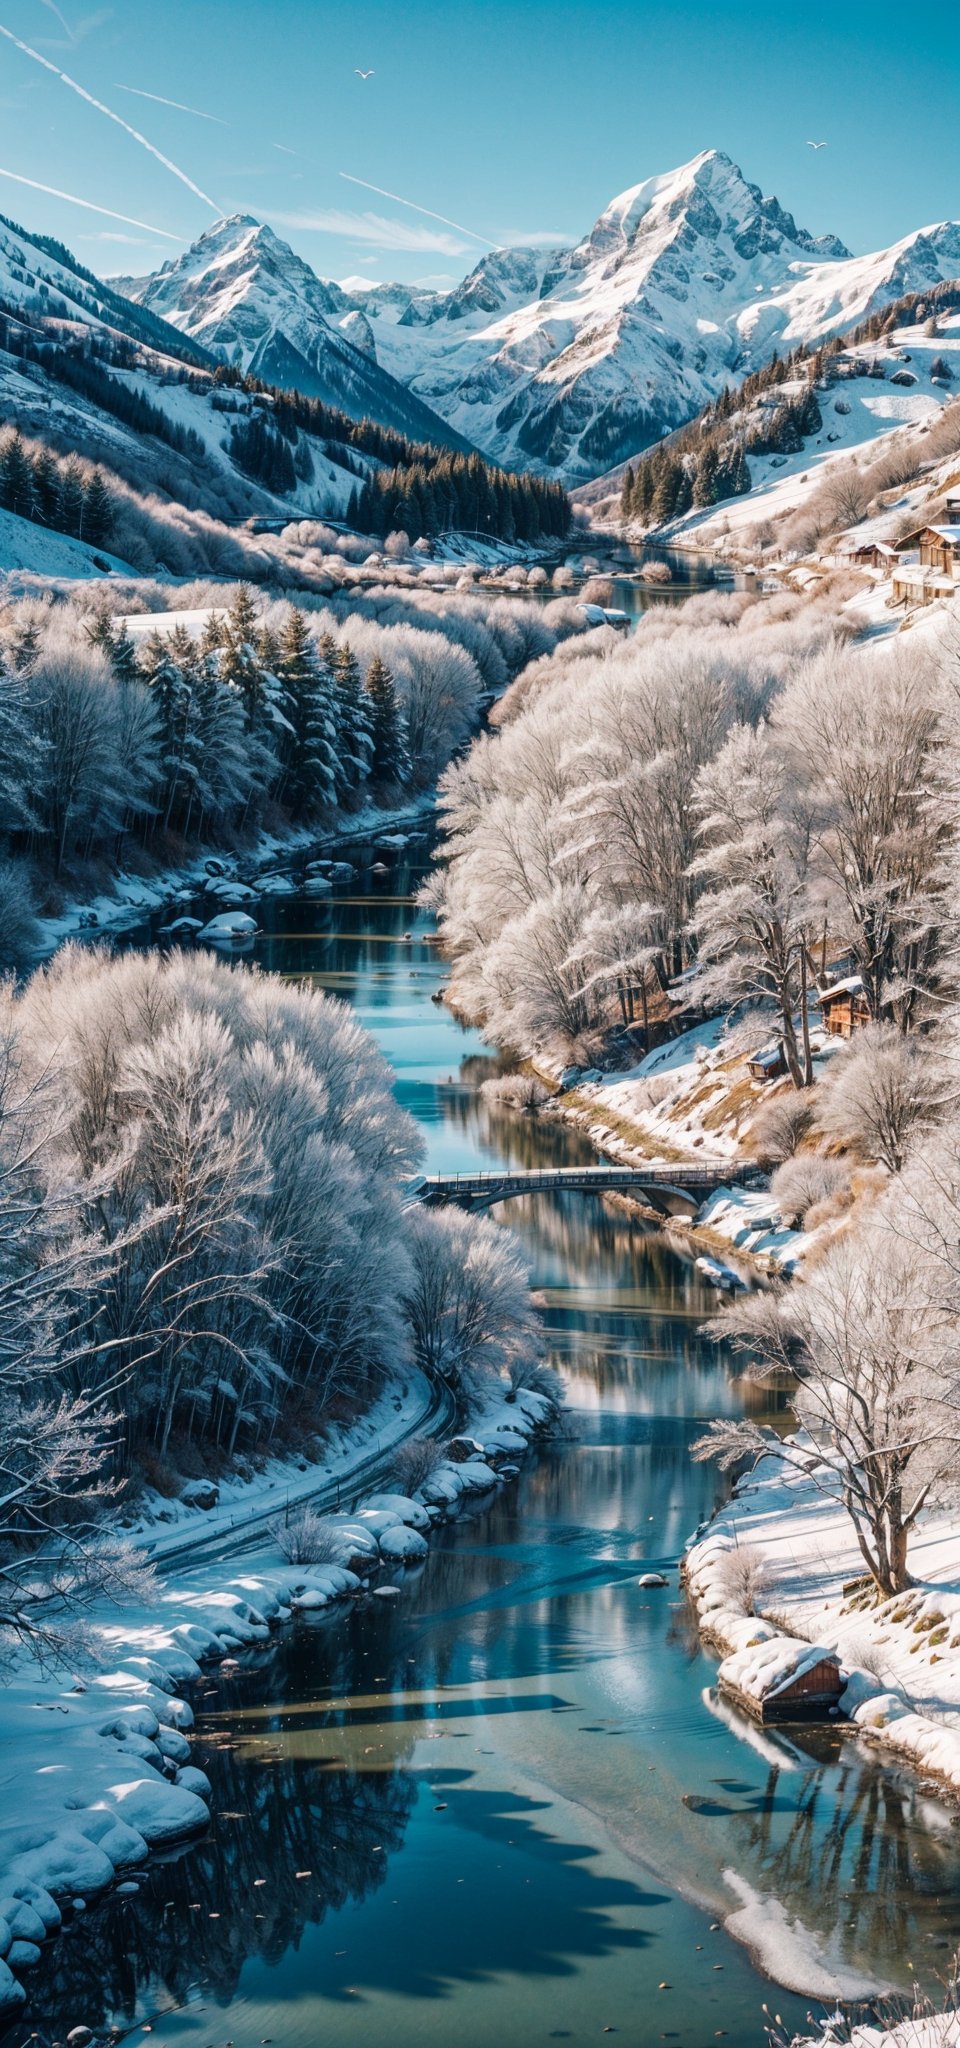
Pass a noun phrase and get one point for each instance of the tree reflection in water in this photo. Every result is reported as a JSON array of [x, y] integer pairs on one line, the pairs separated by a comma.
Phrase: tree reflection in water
[[312, 1798]]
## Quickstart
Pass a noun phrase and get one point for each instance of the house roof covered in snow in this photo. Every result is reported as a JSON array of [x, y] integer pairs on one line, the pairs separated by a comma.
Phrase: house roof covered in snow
[[851, 985]]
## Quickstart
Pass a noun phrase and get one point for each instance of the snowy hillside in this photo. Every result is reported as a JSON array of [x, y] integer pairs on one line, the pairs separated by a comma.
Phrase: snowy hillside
[[40, 279], [881, 398], [243, 293], [563, 361]]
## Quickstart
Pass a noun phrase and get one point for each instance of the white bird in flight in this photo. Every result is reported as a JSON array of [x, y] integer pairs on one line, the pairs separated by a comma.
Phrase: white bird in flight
[[816, 145], [362, 74]]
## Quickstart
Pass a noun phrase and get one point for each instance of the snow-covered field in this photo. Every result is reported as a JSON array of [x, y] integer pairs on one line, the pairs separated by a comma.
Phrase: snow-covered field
[[25, 546]]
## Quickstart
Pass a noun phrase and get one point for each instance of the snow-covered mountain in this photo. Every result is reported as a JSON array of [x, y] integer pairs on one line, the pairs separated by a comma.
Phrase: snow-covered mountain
[[84, 370], [243, 293], [564, 360]]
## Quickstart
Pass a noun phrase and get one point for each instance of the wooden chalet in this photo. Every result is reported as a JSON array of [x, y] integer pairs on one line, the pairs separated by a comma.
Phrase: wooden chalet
[[809, 1691], [843, 1007], [873, 554], [929, 565], [767, 1064]]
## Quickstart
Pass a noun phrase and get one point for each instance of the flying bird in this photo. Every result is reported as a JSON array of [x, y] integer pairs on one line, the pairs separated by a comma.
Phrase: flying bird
[[816, 145], [362, 74]]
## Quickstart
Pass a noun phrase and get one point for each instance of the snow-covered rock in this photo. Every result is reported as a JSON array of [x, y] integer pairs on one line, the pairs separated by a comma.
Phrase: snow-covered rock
[[408, 1511], [401, 1545], [230, 925]]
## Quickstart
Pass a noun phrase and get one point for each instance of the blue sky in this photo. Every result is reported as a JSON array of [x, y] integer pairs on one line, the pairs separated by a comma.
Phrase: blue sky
[[515, 121]]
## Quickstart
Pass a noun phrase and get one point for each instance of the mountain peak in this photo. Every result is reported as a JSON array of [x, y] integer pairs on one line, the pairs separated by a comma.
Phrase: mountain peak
[[711, 194]]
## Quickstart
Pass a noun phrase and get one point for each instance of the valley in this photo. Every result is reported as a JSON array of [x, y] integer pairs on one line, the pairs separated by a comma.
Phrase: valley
[[493, 715]]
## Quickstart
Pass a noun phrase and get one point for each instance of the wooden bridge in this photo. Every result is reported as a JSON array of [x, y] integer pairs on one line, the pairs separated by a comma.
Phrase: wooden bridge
[[666, 1187]]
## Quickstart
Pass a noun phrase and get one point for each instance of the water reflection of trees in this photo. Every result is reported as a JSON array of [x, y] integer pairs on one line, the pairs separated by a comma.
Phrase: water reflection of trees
[[200, 1916], [312, 1797], [850, 1851]]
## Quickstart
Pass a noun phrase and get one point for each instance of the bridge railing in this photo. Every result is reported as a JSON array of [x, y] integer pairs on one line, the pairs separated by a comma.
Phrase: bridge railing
[[658, 1172]]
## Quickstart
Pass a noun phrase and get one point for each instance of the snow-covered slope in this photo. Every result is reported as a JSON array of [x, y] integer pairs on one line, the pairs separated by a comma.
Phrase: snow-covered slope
[[244, 294], [564, 361], [886, 395], [684, 282], [41, 280]]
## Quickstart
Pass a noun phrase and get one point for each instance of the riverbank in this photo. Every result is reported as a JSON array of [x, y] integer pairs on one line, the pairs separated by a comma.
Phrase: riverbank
[[100, 1756], [131, 897], [689, 1101], [901, 1656]]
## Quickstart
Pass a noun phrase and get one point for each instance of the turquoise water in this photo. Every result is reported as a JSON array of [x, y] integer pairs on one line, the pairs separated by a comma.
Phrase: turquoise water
[[505, 1809]]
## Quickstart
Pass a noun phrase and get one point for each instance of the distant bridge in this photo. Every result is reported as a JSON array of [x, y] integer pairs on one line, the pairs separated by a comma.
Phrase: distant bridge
[[663, 1187]]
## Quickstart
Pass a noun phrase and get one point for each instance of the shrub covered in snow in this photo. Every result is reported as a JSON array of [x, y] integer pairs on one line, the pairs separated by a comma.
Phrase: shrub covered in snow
[[307, 1538], [805, 1179]]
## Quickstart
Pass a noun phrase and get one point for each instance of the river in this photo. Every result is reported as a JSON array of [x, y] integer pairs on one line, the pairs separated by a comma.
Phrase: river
[[366, 1879]]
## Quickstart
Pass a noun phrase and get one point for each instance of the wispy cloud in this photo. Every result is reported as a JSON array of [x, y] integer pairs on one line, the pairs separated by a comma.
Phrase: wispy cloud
[[426, 210], [373, 228], [535, 238], [65, 79], [73, 199], [79, 30], [116, 235], [284, 151], [52, 8], [178, 104]]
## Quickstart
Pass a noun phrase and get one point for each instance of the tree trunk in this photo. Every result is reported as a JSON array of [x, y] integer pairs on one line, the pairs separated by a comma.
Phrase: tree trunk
[[805, 1022]]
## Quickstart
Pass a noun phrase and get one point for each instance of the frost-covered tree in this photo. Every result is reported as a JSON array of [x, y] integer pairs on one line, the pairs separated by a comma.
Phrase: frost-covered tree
[[75, 705], [867, 1339], [54, 1430], [469, 1300], [865, 739], [752, 923], [882, 1092]]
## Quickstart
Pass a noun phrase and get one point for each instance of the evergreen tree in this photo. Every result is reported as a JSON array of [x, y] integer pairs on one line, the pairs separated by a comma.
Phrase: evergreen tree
[[16, 477], [310, 751], [71, 497], [46, 488], [171, 695], [116, 644], [389, 762], [97, 512], [354, 744], [705, 491], [227, 767], [240, 664]]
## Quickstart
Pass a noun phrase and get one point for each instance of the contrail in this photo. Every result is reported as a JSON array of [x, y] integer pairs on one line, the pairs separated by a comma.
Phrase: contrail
[[64, 76], [181, 109], [395, 196], [55, 193], [64, 24]]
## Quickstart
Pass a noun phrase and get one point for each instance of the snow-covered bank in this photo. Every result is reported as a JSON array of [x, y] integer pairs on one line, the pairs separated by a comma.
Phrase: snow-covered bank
[[900, 1657], [691, 1100], [132, 897], [940, 2030], [101, 1760]]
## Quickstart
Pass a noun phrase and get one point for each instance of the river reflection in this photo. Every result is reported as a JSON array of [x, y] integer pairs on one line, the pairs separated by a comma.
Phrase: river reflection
[[506, 1806]]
